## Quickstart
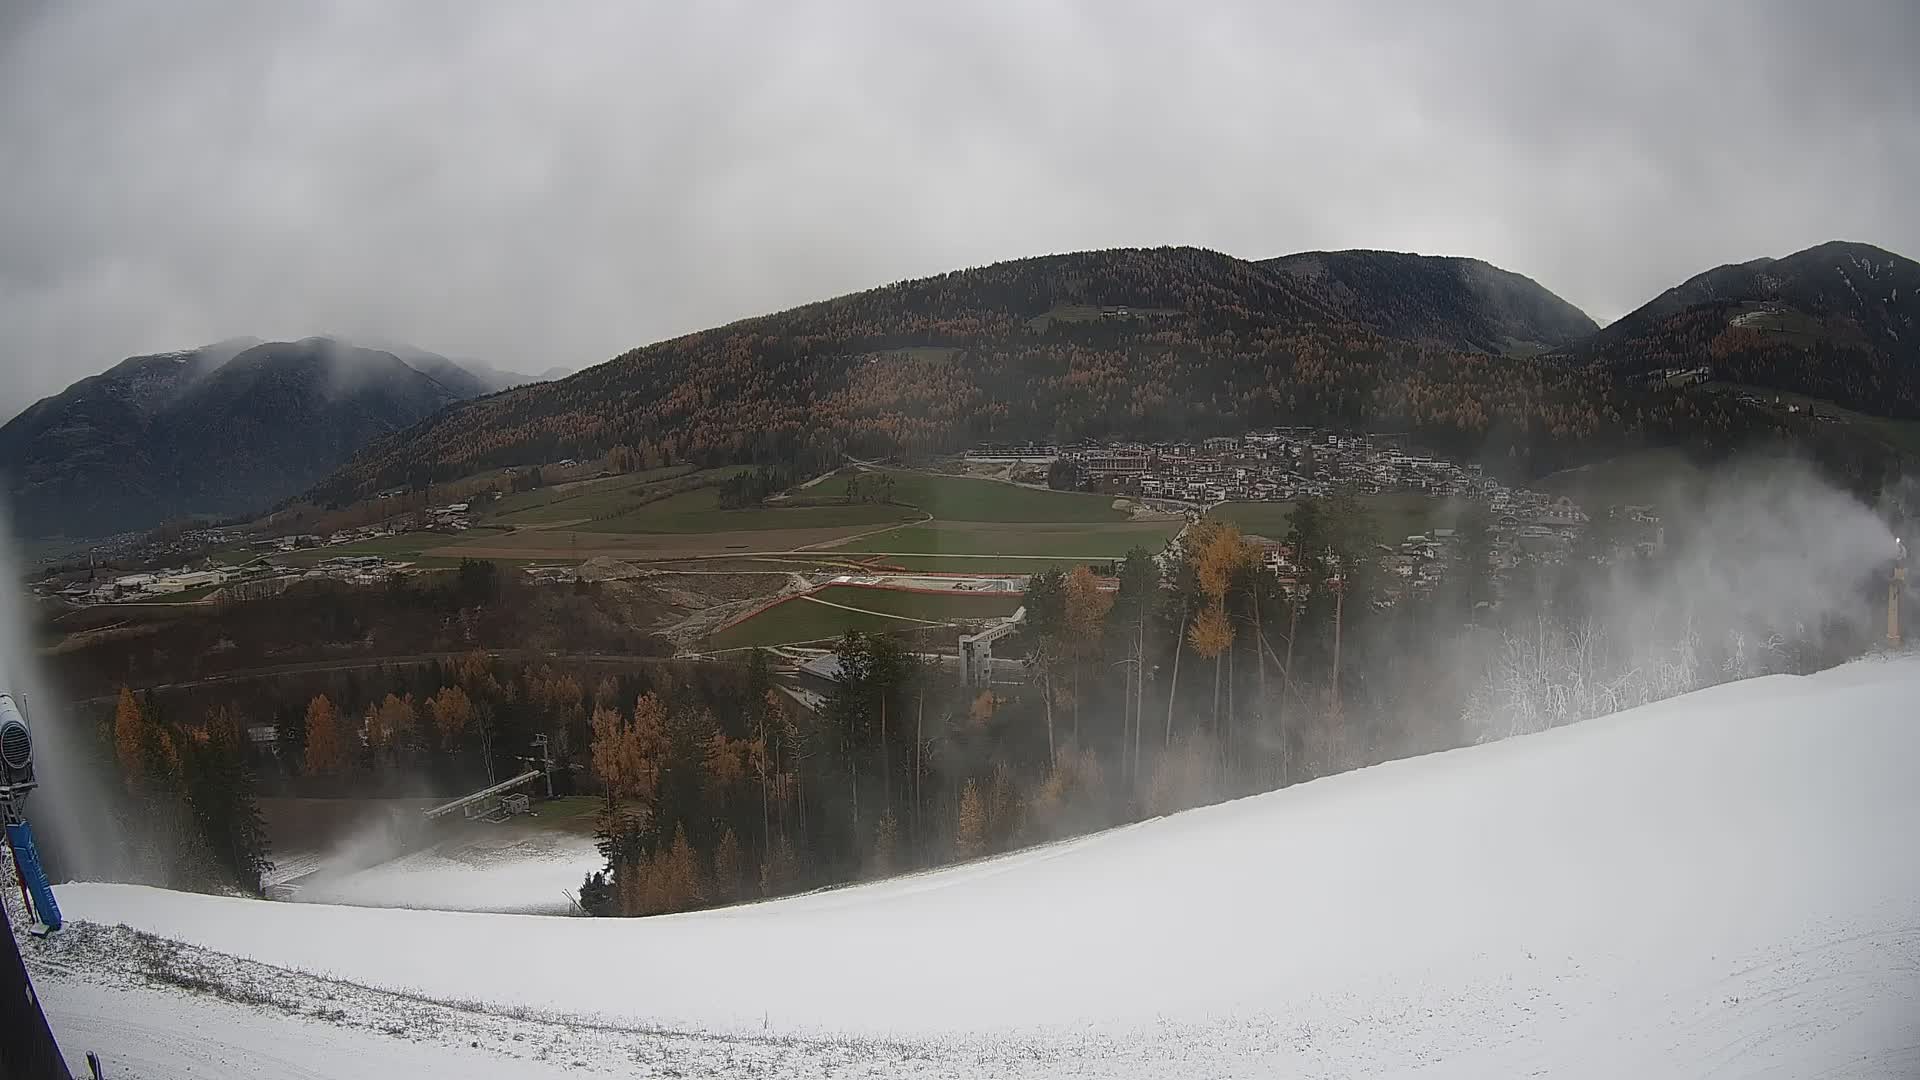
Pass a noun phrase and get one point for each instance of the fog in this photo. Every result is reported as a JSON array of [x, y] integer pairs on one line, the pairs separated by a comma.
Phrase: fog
[[72, 810], [1773, 570], [537, 185]]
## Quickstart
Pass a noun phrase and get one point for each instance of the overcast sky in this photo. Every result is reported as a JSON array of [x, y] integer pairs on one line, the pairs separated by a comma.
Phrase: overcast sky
[[550, 184]]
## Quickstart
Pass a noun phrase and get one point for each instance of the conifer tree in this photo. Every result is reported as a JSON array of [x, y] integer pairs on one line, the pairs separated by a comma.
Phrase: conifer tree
[[779, 869], [886, 838], [220, 791], [727, 868]]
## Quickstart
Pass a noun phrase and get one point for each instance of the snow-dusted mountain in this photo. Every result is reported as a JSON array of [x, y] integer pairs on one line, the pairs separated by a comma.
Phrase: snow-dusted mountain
[[227, 428]]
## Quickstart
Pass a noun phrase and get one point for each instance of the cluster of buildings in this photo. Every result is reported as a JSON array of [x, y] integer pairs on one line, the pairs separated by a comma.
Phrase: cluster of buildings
[[451, 518], [103, 587], [1825, 415], [146, 546], [1525, 527], [146, 585], [1271, 466], [257, 578], [260, 575]]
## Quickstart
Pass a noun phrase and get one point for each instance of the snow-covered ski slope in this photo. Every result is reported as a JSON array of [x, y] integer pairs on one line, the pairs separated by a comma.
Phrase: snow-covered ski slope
[[1723, 884]]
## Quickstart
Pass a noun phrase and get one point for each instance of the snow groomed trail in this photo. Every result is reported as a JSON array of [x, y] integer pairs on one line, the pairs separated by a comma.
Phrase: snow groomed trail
[[1727, 884]]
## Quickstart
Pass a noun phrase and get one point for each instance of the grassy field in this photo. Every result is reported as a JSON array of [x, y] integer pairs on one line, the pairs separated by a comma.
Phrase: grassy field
[[236, 555], [403, 546], [569, 813], [1667, 479], [927, 607], [795, 621], [410, 548], [1268, 519], [1662, 477], [582, 499], [966, 498], [1058, 541], [1395, 514], [1901, 435], [799, 619], [979, 564], [699, 512]]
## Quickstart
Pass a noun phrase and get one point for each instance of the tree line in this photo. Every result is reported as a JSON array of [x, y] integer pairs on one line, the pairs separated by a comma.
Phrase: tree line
[[1214, 672], [1226, 666]]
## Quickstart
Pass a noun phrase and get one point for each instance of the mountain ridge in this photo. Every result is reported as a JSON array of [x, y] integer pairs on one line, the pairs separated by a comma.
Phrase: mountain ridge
[[1126, 342], [1809, 278], [1460, 302], [1838, 321]]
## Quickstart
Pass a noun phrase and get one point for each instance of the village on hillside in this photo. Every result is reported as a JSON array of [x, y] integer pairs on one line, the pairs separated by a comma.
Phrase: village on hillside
[[1288, 464], [1251, 480]]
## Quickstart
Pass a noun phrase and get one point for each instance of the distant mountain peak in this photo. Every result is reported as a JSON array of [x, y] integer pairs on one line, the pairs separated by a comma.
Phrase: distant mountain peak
[[1871, 288], [1839, 321], [225, 428]]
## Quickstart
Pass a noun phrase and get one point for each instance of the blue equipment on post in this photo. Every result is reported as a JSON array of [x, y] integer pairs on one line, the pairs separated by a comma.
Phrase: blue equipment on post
[[16, 780]]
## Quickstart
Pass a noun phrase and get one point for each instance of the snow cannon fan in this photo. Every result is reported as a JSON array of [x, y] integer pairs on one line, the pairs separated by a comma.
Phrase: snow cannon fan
[[16, 780], [16, 759]]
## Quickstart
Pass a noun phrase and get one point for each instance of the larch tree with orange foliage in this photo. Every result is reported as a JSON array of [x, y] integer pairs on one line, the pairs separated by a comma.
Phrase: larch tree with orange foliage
[[452, 712], [627, 754], [328, 753], [397, 720], [1211, 635], [129, 737], [1219, 555], [1087, 605]]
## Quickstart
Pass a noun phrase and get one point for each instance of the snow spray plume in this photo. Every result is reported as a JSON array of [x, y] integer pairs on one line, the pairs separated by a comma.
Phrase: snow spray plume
[[1774, 570], [377, 830], [71, 810], [1775, 549]]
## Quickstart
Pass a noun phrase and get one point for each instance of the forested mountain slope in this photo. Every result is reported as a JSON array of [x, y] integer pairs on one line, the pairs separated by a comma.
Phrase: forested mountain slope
[[1454, 303], [1149, 343], [1839, 321]]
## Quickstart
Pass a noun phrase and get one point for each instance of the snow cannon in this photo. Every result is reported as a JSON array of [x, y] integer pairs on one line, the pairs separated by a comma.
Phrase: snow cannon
[[16, 780], [16, 753]]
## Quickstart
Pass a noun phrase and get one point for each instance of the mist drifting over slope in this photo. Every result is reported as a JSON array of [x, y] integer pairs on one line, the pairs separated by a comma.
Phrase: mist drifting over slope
[[1764, 566], [71, 811], [1775, 548]]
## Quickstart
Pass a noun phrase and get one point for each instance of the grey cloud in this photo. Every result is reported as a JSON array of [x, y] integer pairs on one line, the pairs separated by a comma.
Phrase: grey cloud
[[551, 184]]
